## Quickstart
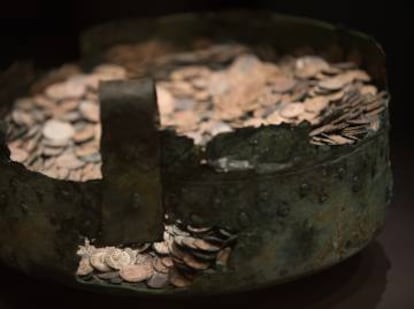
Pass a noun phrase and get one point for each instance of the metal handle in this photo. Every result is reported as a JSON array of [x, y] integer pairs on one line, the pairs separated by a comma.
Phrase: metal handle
[[130, 147]]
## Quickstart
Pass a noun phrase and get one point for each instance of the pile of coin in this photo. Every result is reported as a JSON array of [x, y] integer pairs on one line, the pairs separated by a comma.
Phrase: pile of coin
[[200, 102], [57, 131], [185, 253], [200, 94]]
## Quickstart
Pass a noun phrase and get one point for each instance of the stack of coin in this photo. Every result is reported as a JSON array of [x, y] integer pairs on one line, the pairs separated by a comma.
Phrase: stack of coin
[[200, 94], [185, 253]]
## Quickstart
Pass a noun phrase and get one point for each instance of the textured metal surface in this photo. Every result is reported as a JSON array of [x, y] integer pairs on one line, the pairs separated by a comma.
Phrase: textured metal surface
[[301, 208]]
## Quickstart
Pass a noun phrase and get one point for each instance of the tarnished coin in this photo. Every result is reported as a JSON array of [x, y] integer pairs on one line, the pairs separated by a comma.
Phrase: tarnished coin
[[205, 246], [57, 91], [316, 104], [137, 272], [109, 275], [97, 260], [22, 117], [52, 151], [340, 140], [132, 254], [58, 130], [333, 83], [69, 161], [165, 100], [275, 118], [189, 242], [283, 84], [61, 173], [161, 247], [85, 267], [43, 102], [55, 143], [143, 258], [309, 66], [158, 280], [141, 248], [198, 229], [178, 280], [84, 135], [368, 89], [89, 110], [167, 261], [69, 105], [195, 263], [65, 90], [18, 154], [291, 110], [87, 149], [117, 258], [159, 266], [110, 71], [223, 257]]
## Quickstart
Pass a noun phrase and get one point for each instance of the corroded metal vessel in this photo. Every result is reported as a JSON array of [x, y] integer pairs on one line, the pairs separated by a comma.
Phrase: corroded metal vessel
[[300, 209]]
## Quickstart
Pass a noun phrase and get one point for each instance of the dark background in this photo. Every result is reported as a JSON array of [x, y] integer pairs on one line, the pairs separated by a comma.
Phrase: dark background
[[382, 276]]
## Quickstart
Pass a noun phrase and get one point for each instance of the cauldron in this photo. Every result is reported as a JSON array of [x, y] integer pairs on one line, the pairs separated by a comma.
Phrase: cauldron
[[306, 209]]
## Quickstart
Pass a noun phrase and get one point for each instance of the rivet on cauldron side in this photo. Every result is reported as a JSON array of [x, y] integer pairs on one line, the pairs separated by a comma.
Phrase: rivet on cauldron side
[[304, 190]]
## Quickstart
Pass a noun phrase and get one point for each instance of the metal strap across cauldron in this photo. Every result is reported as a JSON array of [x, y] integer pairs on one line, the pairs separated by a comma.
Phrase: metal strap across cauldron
[[130, 148]]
